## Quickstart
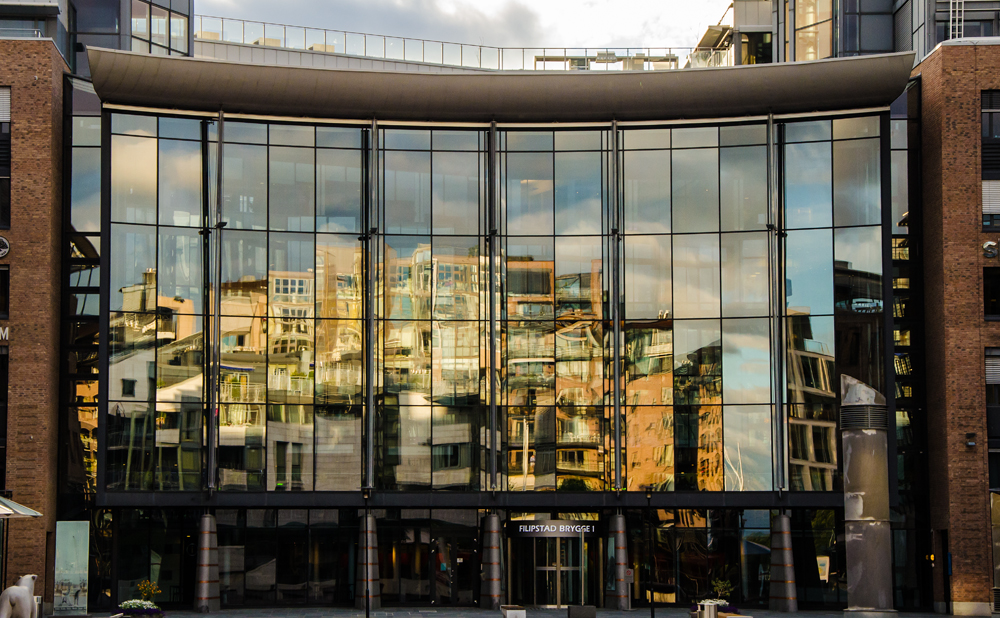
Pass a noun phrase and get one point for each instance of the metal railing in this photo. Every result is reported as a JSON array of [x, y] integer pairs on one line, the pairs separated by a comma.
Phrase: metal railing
[[224, 30], [21, 33]]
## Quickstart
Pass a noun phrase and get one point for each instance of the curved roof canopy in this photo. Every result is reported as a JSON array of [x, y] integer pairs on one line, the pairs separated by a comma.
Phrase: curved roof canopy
[[196, 84]]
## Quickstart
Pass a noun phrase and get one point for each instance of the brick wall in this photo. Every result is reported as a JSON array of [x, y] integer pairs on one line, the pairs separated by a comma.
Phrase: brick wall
[[34, 71], [956, 332]]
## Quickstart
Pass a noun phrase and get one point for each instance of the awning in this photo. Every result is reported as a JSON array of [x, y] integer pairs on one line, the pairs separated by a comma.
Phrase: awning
[[208, 85], [12, 510]]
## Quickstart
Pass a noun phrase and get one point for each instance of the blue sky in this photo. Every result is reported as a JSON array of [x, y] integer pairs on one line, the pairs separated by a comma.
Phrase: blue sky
[[501, 23]]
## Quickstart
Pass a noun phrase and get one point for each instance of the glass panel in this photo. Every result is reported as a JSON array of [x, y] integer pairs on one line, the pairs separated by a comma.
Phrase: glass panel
[[646, 138], [697, 362], [457, 363], [578, 193], [457, 140], [291, 135], [456, 286], [407, 192], [338, 190], [744, 275], [579, 288], [746, 364], [647, 191], [847, 128], [648, 372], [647, 277], [338, 363], [140, 19], [241, 446], [292, 190], [814, 42], [403, 139], [158, 29], [244, 273], [130, 445], [455, 191], [696, 276], [530, 363], [695, 190], [743, 180], [179, 276], [133, 271], [812, 454], [697, 137], [649, 435], [580, 449], [338, 440], [85, 199], [812, 381], [530, 278], [531, 453], [407, 460], [179, 32], [407, 362], [899, 177], [857, 183], [133, 187], [242, 393], [454, 451], [578, 140], [180, 177], [180, 128], [86, 130], [409, 276], [529, 140], [808, 185], [178, 446], [338, 137], [289, 447], [858, 270], [812, 11], [245, 132], [132, 342], [339, 279], [579, 363], [260, 554], [244, 187], [291, 309], [529, 197], [809, 272], [748, 448], [809, 131], [740, 135], [698, 452]]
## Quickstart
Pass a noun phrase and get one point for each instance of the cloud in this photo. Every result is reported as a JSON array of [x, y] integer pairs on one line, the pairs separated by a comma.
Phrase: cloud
[[503, 23]]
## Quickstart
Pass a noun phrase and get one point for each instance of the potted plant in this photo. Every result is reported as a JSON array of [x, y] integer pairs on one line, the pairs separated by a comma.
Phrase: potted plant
[[143, 607]]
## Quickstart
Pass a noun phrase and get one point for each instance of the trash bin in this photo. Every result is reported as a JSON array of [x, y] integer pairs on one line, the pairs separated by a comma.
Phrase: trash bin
[[708, 610]]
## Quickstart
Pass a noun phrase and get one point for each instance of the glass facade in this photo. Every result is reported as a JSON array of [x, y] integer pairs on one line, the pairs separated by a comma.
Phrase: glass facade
[[468, 302]]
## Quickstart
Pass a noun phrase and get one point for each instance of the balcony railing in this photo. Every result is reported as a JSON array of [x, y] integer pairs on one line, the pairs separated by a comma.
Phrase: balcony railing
[[224, 30]]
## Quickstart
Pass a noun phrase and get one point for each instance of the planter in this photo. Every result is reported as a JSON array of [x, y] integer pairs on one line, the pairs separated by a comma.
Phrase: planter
[[142, 613]]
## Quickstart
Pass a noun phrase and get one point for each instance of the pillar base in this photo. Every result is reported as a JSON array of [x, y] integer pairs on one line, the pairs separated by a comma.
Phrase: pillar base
[[966, 608], [861, 612]]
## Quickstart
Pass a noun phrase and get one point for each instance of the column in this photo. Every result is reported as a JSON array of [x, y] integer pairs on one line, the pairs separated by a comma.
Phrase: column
[[783, 597], [491, 563], [619, 598], [206, 596], [367, 578]]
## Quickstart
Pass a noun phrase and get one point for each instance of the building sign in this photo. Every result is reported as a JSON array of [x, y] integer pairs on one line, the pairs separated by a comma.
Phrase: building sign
[[550, 528], [989, 249]]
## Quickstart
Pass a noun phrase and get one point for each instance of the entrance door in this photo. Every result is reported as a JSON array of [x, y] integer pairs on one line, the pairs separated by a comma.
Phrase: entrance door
[[550, 572]]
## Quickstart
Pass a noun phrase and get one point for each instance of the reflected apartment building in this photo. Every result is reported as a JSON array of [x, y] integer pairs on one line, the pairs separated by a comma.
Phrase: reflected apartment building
[[465, 315]]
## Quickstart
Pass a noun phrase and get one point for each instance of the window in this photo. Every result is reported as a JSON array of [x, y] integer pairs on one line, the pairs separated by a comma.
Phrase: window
[[4, 382], [4, 292], [991, 158], [128, 388], [158, 31], [5, 157], [991, 293]]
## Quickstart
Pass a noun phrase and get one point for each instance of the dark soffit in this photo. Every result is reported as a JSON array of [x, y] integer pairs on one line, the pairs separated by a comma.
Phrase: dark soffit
[[197, 84]]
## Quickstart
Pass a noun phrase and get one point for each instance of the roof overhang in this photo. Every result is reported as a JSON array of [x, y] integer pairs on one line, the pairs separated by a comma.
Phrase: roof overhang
[[128, 78]]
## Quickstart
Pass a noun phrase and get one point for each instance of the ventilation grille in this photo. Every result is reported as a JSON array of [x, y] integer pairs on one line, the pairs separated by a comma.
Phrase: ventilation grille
[[993, 369], [991, 197], [863, 417], [4, 104], [904, 27], [996, 600]]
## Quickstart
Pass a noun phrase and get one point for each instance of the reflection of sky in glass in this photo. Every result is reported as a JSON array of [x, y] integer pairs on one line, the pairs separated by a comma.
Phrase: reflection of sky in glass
[[646, 191], [808, 180], [578, 193], [86, 190], [455, 192], [809, 271], [696, 276], [860, 247], [529, 193], [746, 365]]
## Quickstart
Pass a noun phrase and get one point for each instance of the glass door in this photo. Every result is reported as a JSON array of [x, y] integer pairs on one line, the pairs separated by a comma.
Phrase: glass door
[[559, 576]]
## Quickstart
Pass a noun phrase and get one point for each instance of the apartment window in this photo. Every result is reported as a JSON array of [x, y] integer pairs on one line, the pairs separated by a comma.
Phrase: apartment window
[[5, 156], [991, 158], [991, 293], [4, 292], [993, 414], [158, 31], [128, 388], [4, 384]]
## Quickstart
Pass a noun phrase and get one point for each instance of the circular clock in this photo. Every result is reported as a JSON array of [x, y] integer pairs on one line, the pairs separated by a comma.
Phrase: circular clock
[[4, 247]]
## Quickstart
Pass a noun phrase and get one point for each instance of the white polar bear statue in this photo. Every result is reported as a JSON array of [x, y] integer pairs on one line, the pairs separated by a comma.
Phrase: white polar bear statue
[[18, 601]]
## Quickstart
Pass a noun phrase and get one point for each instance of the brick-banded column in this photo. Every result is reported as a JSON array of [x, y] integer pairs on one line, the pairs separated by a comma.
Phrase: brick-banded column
[[206, 596], [367, 572], [783, 596], [491, 563]]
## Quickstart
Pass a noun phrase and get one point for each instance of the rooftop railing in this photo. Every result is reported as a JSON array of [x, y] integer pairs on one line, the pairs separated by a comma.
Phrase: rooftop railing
[[382, 47]]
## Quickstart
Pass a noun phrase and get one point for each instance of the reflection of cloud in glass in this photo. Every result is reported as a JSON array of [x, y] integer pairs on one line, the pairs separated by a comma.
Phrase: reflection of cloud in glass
[[808, 180], [860, 248], [578, 193], [746, 366], [809, 271], [647, 277], [696, 276]]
